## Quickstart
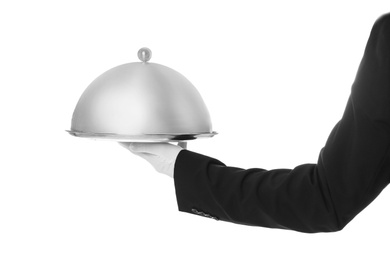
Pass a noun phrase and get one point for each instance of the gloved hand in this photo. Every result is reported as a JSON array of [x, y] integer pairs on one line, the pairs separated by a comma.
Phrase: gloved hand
[[162, 156]]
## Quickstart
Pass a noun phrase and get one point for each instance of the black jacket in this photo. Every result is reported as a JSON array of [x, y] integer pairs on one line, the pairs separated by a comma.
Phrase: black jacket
[[352, 168]]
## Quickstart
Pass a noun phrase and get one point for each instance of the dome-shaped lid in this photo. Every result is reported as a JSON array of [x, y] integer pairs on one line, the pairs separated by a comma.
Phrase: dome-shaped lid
[[141, 101]]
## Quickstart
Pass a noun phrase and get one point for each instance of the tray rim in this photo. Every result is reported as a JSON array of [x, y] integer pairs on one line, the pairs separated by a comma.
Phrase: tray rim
[[142, 137]]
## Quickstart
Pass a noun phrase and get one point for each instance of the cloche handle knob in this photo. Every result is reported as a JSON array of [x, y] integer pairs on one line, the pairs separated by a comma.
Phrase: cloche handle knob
[[144, 54]]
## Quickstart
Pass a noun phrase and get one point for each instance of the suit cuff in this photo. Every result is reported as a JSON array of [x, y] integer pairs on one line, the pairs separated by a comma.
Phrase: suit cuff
[[191, 184]]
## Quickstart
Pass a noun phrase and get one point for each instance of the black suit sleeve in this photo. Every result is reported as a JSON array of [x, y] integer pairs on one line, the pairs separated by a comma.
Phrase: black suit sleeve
[[352, 168]]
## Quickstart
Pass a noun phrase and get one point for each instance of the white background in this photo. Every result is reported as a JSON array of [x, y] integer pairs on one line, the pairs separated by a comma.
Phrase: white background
[[275, 76]]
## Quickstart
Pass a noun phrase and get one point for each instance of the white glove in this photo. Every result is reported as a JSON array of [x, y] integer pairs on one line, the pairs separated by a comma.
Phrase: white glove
[[162, 156]]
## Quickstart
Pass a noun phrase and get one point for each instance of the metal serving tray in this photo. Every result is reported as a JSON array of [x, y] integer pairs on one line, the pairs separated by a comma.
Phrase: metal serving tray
[[142, 138]]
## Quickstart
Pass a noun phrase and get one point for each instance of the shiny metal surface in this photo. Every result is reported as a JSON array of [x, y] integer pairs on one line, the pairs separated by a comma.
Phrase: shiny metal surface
[[142, 138], [141, 101]]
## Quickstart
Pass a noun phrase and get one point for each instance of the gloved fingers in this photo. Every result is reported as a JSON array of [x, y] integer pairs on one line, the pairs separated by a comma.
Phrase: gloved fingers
[[159, 164], [151, 158], [147, 156], [153, 148], [162, 156], [139, 147], [142, 147], [161, 149], [124, 144]]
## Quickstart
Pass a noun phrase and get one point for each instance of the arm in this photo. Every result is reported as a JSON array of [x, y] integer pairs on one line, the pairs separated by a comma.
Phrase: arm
[[352, 169]]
